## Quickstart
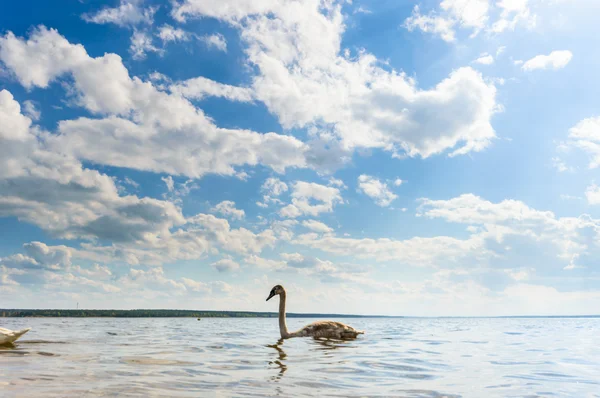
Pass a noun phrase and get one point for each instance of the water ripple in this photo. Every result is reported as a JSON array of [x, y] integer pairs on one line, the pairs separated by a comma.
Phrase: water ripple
[[427, 358]]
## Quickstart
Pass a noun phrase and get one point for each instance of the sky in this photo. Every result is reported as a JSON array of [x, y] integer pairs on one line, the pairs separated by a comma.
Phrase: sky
[[420, 158]]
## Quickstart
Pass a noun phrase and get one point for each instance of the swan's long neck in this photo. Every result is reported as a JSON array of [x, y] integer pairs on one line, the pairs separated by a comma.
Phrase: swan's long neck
[[282, 326]]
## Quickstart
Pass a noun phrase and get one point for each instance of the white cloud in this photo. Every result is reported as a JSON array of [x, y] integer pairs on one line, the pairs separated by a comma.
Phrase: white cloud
[[216, 41], [14, 126], [220, 233], [53, 190], [513, 12], [284, 229], [201, 87], [306, 81], [473, 16], [97, 271], [272, 188], [560, 165], [507, 235], [177, 191], [431, 23], [226, 265], [168, 33], [337, 183], [265, 263], [317, 226], [585, 135], [415, 251], [146, 129], [555, 60], [377, 190], [141, 44], [129, 12], [592, 194], [169, 182], [398, 182], [223, 9], [305, 192], [559, 239], [31, 110], [469, 208], [296, 260], [227, 208], [485, 59], [38, 255]]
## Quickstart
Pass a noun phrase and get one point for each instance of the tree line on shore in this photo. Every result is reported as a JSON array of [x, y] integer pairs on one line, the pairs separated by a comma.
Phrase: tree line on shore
[[141, 313]]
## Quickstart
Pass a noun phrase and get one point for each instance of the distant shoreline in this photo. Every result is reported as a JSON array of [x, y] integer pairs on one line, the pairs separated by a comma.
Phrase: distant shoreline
[[141, 313], [145, 313]]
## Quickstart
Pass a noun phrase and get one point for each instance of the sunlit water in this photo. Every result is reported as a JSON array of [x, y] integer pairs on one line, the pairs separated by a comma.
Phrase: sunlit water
[[242, 357]]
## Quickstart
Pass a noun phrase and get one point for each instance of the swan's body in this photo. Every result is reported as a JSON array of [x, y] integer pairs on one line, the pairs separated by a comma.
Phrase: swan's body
[[319, 329], [8, 336]]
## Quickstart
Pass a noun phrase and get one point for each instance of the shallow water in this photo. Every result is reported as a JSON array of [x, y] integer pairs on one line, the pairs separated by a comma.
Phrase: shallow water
[[179, 357]]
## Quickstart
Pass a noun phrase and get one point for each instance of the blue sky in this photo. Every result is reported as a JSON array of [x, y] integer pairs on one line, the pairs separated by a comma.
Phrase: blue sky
[[375, 157]]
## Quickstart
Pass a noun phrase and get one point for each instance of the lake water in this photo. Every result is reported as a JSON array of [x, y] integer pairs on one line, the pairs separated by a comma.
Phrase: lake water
[[213, 357]]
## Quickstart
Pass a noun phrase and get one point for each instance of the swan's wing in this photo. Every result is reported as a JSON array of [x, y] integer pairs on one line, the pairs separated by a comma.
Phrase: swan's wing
[[9, 336], [328, 329]]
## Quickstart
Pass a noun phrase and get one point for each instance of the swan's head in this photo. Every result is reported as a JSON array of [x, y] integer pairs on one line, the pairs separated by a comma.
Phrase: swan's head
[[278, 289]]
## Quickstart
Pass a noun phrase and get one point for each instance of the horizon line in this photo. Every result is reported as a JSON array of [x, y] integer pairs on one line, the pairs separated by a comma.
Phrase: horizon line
[[306, 314]]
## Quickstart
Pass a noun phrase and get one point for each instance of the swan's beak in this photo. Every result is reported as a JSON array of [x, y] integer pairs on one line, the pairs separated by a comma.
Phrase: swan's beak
[[270, 295]]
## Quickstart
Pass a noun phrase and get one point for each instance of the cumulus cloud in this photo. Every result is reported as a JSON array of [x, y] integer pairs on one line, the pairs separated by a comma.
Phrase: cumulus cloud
[[216, 41], [485, 59], [56, 193], [431, 23], [306, 80], [473, 16], [585, 136], [272, 188], [201, 87], [513, 223], [141, 45], [226, 265], [317, 226], [554, 60], [129, 12], [168, 33], [305, 192], [227, 208], [377, 190], [38, 255], [145, 129], [506, 235], [592, 194], [31, 110]]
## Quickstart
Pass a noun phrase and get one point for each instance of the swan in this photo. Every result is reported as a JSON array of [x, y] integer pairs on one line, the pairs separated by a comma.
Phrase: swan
[[319, 329], [8, 336]]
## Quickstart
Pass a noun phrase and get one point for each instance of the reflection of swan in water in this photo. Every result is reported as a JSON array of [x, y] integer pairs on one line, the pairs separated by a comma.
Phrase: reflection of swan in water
[[8, 336], [327, 344], [281, 357], [326, 329]]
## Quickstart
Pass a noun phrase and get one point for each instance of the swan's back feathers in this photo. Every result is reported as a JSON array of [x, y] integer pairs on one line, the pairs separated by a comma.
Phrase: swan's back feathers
[[328, 329], [8, 336]]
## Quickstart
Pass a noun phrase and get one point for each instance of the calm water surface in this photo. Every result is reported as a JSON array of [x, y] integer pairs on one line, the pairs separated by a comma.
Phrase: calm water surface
[[242, 357]]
